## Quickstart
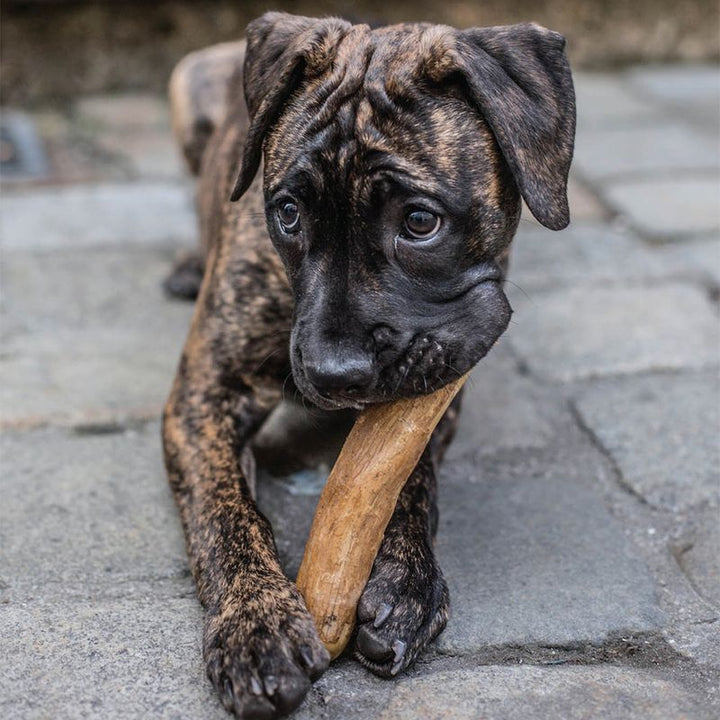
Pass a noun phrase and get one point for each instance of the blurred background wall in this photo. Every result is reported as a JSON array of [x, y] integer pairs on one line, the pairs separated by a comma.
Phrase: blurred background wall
[[53, 50]]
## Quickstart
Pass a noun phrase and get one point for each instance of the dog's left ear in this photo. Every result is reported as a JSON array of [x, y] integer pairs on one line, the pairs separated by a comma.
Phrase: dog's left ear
[[519, 78], [281, 49]]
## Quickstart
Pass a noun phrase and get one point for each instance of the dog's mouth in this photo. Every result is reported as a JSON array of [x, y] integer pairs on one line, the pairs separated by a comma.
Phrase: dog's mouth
[[426, 365], [385, 363]]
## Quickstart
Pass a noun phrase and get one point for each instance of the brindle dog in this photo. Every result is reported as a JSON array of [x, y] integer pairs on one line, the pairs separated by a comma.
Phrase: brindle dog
[[365, 263]]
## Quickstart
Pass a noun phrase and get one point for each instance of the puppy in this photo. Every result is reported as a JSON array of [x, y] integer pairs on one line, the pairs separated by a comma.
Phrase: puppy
[[365, 263]]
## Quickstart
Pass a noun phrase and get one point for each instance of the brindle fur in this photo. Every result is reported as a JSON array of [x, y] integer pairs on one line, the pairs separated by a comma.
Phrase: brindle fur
[[352, 123]]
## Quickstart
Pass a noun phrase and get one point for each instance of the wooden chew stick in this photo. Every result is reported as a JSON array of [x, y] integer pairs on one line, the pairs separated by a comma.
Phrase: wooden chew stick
[[356, 504]]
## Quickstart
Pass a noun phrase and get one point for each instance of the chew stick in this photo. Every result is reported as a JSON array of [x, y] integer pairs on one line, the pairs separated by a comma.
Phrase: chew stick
[[356, 504]]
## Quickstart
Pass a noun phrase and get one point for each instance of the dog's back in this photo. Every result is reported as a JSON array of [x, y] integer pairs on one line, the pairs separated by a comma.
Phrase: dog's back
[[200, 92]]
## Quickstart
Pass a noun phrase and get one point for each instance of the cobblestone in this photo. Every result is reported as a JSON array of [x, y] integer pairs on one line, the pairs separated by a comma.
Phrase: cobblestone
[[669, 208], [581, 333], [87, 335], [641, 151], [662, 433], [91, 215]]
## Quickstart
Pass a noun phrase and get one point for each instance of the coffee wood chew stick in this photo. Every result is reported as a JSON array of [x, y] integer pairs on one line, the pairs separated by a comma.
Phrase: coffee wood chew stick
[[356, 504]]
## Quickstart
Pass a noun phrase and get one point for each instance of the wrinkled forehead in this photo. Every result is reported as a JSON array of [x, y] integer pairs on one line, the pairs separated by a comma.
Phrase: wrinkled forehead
[[373, 105]]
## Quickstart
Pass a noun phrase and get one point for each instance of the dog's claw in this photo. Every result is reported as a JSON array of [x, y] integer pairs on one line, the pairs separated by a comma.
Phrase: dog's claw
[[399, 648], [255, 686], [382, 614], [306, 656], [271, 685]]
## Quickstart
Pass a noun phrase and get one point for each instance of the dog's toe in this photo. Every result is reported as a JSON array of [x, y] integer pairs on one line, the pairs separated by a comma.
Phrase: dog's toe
[[400, 611], [262, 663], [372, 647]]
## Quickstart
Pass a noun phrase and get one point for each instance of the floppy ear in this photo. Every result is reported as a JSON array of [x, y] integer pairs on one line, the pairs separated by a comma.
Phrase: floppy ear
[[281, 49], [519, 79]]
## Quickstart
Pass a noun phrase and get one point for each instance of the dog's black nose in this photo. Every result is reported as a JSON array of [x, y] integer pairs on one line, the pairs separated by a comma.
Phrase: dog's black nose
[[348, 374]]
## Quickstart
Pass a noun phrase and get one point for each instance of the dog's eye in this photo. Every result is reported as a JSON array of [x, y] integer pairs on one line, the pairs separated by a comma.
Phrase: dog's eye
[[421, 224], [289, 216]]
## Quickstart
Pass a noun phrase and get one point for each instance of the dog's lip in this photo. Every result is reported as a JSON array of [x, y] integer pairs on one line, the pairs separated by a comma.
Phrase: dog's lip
[[484, 277], [336, 403], [325, 402]]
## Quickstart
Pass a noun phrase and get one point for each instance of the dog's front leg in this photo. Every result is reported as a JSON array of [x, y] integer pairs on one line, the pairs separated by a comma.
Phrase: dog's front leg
[[405, 603], [260, 644]]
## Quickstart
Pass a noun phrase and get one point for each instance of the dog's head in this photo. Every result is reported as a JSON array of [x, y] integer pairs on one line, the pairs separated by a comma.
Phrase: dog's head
[[394, 164]]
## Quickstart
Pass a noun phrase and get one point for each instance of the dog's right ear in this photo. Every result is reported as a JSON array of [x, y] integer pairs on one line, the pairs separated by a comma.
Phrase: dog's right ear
[[281, 49]]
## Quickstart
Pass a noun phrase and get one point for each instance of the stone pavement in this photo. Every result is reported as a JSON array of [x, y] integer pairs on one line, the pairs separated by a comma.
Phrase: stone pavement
[[580, 518]]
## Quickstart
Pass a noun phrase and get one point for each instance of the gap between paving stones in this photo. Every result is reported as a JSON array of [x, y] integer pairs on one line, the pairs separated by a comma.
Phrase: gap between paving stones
[[633, 649], [609, 459]]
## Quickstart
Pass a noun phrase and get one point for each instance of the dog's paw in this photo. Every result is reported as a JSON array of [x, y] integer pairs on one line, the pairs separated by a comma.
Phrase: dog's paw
[[404, 606], [262, 651], [186, 277]]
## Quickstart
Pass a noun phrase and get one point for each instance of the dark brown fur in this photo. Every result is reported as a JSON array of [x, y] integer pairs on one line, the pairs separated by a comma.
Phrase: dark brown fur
[[473, 118]]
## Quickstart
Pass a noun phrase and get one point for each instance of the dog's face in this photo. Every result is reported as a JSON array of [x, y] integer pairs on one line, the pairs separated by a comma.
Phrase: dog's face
[[391, 197]]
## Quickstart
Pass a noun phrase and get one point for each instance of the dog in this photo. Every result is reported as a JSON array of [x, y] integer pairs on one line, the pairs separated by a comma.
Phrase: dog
[[364, 263]]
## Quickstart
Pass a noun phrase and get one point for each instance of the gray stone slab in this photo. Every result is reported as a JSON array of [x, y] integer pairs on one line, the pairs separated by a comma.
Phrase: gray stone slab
[[668, 208], [662, 432], [82, 515], [508, 693], [87, 335], [700, 257], [643, 151], [123, 112], [572, 693], [692, 89], [89, 215], [138, 658], [699, 551], [147, 154], [504, 409], [604, 99], [532, 557], [587, 332], [592, 254]]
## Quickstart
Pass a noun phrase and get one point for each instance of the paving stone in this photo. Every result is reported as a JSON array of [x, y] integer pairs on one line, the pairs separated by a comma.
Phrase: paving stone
[[520, 693], [508, 693], [137, 658], [643, 151], [83, 513], [88, 215], [700, 256], [662, 432], [593, 254], [668, 209], [503, 409], [694, 89], [604, 99], [124, 111], [532, 557], [87, 335], [699, 551], [149, 154], [586, 332]]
